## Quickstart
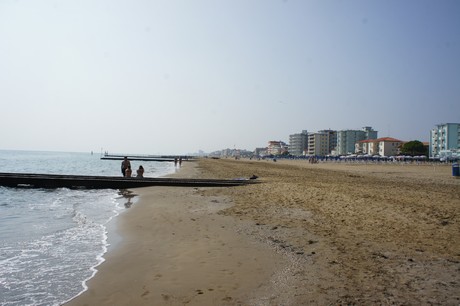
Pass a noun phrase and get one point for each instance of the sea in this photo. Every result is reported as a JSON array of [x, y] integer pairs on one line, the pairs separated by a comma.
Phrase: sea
[[52, 240]]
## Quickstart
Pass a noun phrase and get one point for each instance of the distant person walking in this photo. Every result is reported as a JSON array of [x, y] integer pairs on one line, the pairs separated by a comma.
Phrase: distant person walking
[[124, 165], [180, 161]]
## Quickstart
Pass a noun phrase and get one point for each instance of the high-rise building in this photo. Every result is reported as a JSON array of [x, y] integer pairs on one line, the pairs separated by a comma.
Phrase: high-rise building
[[298, 143], [318, 144], [331, 140], [445, 140], [346, 139]]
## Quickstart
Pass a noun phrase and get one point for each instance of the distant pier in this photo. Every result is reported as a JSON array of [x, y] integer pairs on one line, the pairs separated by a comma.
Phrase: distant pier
[[158, 158]]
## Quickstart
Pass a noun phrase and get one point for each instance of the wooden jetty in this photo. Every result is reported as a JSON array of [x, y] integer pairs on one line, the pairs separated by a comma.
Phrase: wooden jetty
[[159, 158], [108, 182]]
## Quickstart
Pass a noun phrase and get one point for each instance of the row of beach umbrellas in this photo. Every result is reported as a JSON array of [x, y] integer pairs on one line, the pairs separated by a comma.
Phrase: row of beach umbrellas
[[368, 156]]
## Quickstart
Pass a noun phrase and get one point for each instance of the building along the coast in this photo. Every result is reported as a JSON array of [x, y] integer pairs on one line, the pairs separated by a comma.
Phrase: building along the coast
[[367, 147], [226, 153], [298, 143], [318, 144], [385, 146], [347, 139], [277, 148], [260, 152], [332, 140], [445, 140], [322, 143]]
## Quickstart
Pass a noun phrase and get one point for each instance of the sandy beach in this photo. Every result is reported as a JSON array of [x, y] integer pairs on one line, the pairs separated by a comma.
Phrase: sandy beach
[[307, 234]]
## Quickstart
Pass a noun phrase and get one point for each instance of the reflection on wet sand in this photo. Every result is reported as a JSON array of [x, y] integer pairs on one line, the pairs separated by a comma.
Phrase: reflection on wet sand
[[128, 195]]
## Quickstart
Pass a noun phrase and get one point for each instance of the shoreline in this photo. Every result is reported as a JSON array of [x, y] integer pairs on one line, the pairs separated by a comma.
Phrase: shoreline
[[308, 234], [113, 237], [176, 249]]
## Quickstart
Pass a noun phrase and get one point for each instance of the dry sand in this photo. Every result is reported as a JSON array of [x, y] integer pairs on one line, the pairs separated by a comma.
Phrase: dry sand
[[308, 234]]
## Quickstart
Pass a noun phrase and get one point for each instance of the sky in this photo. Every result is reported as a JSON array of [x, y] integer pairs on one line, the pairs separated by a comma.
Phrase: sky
[[176, 77]]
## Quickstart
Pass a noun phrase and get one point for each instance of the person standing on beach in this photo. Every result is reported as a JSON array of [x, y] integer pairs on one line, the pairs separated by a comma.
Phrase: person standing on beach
[[128, 171], [140, 171], [124, 165]]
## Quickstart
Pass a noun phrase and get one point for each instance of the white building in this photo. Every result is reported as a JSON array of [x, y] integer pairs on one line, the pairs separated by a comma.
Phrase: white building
[[445, 139], [385, 146], [298, 143], [277, 148]]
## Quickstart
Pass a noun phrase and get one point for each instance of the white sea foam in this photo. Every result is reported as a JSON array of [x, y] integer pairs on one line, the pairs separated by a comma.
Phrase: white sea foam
[[51, 241]]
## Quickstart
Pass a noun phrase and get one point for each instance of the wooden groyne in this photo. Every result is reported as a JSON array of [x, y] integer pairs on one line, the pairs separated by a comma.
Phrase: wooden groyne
[[108, 182]]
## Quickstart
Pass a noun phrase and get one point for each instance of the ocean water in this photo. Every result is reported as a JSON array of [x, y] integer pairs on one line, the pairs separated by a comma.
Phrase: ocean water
[[52, 240]]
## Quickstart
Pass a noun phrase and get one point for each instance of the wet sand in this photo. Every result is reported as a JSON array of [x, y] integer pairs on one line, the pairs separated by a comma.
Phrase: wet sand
[[308, 234], [177, 250]]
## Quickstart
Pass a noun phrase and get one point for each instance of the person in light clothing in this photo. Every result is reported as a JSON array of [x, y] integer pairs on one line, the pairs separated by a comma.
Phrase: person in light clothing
[[140, 171]]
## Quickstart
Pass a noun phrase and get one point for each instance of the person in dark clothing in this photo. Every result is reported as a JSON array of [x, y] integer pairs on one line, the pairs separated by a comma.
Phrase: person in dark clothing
[[124, 165]]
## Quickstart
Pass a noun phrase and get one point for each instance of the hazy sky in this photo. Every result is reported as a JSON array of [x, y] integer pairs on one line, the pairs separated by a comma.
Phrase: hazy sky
[[174, 77]]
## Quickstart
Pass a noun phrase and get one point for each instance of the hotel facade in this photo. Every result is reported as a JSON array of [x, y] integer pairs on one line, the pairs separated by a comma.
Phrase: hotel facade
[[298, 143], [445, 140]]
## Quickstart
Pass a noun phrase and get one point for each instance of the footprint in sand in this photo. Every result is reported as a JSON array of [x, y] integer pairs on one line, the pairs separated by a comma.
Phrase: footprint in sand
[[165, 297], [145, 293]]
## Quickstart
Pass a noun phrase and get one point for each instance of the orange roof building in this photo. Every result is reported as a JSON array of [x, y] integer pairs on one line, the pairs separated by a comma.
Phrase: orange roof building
[[385, 146]]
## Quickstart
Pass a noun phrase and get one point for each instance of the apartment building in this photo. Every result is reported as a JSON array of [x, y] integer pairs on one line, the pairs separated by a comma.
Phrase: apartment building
[[318, 144], [277, 148], [332, 140], [298, 143], [445, 140], [386, 146], [389, 146], [347, 139]]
